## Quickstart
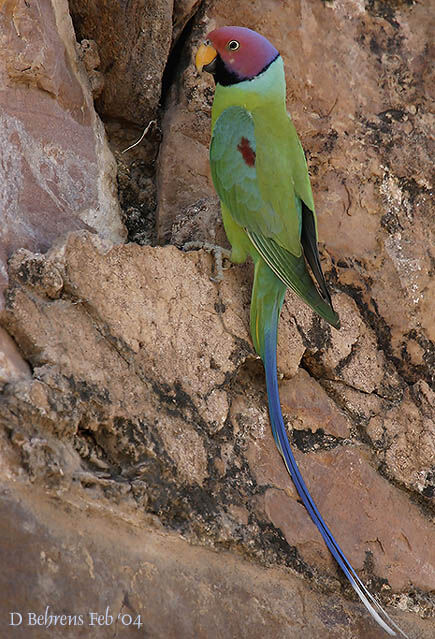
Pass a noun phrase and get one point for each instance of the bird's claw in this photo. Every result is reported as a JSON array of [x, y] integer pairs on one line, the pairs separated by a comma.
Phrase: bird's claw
[[219, 253]]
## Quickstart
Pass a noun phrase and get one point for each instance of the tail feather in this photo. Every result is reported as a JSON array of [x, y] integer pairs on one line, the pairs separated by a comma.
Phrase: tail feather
[[281, 439]]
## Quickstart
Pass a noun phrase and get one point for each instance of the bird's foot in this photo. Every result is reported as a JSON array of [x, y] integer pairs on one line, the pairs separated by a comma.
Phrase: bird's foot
[[219, 253]]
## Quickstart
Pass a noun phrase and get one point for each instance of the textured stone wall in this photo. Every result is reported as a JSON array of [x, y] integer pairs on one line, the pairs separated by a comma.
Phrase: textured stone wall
[[138, 470]]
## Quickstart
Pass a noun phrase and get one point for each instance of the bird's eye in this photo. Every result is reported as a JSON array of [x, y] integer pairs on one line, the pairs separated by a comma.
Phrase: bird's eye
[[233, 45]]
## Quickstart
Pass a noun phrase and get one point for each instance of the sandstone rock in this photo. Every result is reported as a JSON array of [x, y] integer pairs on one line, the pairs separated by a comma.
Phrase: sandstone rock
[[183, 12], [189, 445], [12, 364], [87, 52], [200, 221], [353, 498], [183, 151], [203, 594], [57, 172], [133, 42], [395, 433], [304, 399], [123, 319]]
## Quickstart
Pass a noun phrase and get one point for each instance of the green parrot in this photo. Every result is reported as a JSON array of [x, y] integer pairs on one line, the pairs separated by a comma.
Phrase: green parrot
[[260, 174]]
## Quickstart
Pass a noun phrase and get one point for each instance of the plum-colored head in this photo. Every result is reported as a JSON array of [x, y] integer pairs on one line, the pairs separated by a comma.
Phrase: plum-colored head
[[234, 54]]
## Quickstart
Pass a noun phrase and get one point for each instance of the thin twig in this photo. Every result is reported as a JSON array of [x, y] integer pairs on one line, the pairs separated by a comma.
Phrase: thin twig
[[141, 137]]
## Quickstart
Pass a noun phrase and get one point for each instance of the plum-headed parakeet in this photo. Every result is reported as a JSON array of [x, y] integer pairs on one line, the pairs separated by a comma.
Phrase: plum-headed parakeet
[[260, 174]]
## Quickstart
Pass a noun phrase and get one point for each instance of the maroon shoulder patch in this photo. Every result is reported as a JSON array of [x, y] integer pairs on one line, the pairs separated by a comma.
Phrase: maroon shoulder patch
[[247, 152]]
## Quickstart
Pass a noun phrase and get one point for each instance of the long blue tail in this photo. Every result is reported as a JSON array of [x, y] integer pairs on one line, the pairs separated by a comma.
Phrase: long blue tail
[[280, 435]]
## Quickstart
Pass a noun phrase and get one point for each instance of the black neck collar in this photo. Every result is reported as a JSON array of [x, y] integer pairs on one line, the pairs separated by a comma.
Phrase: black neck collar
[[223, 76]]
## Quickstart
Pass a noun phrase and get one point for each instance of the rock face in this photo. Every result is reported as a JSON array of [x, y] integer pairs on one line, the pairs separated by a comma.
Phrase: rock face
[[205, 594], [133, 411], [132, 41], [132, 73], [189, 444], [57, 172]]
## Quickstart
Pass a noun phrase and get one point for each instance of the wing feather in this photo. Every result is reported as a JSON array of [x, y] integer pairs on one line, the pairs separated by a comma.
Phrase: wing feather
[[278, 235], [311, 252], [292, 271]]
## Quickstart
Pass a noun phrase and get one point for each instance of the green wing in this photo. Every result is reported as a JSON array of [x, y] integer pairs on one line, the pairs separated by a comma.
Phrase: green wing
[[232, 160], [265, 204], [299, 169], [292, 271]]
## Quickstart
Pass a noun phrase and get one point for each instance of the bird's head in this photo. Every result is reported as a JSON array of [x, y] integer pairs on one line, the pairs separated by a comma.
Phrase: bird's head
[[235, 54]]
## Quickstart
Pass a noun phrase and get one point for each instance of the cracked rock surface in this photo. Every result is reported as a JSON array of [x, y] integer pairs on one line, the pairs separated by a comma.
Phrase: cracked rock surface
[[57, 172], [137, 467], [190, 446]]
